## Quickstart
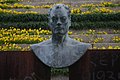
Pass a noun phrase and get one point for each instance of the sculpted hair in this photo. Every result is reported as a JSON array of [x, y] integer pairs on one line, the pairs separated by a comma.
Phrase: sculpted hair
[[58, 6]]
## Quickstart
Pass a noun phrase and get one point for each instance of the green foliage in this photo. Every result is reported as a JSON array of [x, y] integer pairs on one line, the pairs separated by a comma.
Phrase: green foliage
[[112, 5], [64, 71], [23, 17], [88, 21], [74, 25], [9, 1], [95, 25], [95, 17], [27, 25], [44, 17]]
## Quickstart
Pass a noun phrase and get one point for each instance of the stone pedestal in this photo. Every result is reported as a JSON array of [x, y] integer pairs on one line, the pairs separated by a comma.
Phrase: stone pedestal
[[97, 65], [22, 65], [94, 65], [42, 72]]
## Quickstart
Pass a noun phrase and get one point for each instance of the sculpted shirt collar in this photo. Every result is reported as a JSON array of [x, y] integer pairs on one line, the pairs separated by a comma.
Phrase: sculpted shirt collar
[[59, 40]]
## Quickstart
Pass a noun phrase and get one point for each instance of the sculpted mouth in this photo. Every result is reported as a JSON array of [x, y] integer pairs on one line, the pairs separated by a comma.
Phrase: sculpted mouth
[[58, 29]]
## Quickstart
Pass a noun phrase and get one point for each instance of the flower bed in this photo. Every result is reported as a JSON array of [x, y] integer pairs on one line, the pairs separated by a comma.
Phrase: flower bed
[[10, 37], [91, 8]]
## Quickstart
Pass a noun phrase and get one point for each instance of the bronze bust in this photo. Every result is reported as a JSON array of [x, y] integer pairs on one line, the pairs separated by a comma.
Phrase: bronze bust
[[60, 50]]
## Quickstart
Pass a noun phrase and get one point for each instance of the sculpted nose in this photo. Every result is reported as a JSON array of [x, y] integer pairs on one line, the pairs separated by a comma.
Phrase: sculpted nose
[[59, 23]]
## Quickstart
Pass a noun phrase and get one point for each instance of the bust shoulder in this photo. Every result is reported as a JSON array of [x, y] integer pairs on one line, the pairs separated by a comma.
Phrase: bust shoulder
[[44, 43], [61, 56]]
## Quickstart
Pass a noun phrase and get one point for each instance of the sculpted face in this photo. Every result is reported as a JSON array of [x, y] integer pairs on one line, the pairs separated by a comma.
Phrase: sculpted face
[[59, 21]]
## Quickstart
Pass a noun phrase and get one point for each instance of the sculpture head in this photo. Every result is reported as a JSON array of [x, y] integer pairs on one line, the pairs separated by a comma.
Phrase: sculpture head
[[59, 19]]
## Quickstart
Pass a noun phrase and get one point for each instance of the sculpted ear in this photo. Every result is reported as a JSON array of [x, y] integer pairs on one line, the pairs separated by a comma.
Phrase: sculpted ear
[[69, 17], [49, 23], [49, 18]]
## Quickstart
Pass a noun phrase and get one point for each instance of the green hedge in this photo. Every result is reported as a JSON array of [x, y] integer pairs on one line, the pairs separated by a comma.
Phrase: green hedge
[[60, 71], [95, 25], [9, 1], [22, 17], [21, 25], [74, 25], [74, 17], [96, 17]]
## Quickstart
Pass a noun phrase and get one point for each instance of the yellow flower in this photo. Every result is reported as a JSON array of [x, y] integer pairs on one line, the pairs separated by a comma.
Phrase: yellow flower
[[110, 47], [103, 47]]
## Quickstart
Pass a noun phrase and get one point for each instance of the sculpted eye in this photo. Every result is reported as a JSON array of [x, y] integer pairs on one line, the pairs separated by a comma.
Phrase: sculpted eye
[[63, 19], [54, 19]]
